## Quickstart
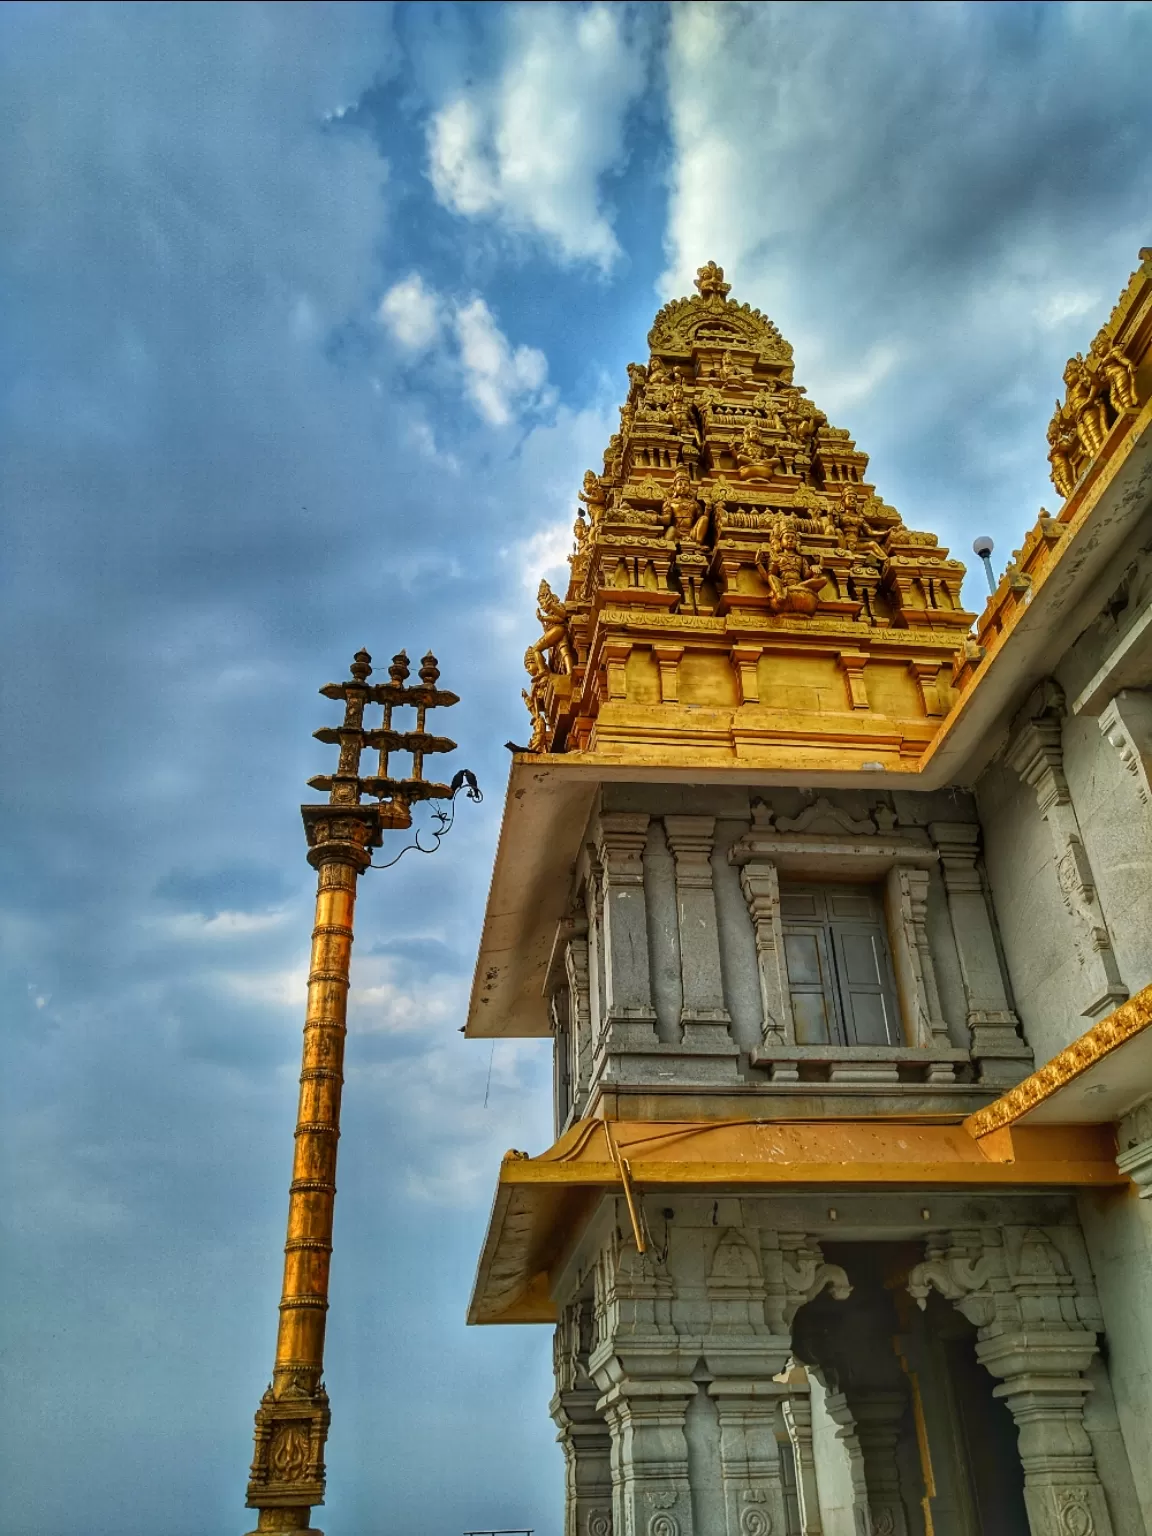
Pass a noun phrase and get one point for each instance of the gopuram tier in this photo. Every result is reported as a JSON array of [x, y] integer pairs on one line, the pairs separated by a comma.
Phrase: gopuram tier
[[734, 562]]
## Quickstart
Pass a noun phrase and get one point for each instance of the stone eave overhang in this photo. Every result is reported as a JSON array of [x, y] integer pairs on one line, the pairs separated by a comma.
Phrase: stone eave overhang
[[544, 1203], [550, 796], [1097, 1079]]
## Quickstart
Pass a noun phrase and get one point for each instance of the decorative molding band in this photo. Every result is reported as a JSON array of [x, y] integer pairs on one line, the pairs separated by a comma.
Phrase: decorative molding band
[[1092, 1046]]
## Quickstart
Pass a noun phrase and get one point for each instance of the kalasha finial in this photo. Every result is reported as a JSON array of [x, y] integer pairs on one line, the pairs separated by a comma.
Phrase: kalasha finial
[[429, 671], [399, 669], [710, 281], [361, 668]]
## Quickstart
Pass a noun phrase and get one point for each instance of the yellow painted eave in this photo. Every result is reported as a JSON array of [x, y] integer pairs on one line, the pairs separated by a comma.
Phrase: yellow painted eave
[[542, 1203]]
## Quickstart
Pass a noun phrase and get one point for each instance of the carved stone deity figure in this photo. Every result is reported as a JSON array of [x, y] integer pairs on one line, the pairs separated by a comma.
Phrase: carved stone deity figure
[[678, 405], [852, 529], [538, 675], [756, 459], [685, 519], [553, 615], [1086, 404], [594, 496], [657, 372], [710, 282], [637, 379], [578, 559], [802, 422], [794, 579], [1062, 445], [730, 370], [1118, 372]]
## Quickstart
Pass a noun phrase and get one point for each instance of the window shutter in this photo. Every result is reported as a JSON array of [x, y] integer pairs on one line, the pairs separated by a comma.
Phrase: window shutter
[[812, 986], [866, 992]]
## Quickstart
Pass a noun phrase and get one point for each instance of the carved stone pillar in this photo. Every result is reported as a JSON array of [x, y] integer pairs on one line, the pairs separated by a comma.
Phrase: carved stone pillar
[[761, 886], [906, 895], [878, 1415], [745, 1349], [650, 1489], [836, 1407], [576, 970], [797, 1415], [1126, 723], [668, 662], [1037, 1336], [1036, 753], [703, 1016], [614, 656], [583, 1435], [749, 1453], [582, 1432], [645, 1391], [746, 665], [994, 1028], [852, 664], [631, 1018]]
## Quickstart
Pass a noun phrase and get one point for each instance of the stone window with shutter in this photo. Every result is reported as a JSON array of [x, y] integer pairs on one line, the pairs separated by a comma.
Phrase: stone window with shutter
[[838, 965]]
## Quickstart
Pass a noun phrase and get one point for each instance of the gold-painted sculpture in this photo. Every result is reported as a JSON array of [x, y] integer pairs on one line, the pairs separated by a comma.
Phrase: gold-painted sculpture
[[553, 615], [1099, 390], [729, 517], [794, 579], [683, 516]]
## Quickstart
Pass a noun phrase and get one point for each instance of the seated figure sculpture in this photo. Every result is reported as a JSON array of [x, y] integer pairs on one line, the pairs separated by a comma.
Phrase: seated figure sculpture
[[685, 519], [794, 579], [853, 533], [755, 458]]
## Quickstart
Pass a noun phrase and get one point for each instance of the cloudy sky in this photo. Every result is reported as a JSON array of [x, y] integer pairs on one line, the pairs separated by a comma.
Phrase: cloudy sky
[[313, 316]]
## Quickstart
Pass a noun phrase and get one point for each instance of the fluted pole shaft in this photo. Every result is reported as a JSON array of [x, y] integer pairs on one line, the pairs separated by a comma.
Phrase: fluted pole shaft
[[292, 1420]]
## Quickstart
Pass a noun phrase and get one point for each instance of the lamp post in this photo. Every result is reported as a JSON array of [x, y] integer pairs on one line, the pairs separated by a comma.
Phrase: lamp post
[[287, 1474], [983, 546]]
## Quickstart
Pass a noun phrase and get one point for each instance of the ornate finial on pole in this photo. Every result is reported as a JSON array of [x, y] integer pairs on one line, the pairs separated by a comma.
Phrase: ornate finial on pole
[[710, 282], [287, 1474]]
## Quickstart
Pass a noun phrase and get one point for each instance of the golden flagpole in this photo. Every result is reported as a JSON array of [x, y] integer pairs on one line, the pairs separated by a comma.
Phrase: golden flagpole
[[287, 1476]]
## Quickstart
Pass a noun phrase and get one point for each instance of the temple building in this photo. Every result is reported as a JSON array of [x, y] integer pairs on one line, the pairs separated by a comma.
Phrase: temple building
[[836, 902]]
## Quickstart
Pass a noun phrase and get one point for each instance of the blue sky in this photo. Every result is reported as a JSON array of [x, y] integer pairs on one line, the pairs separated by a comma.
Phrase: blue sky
[[313, 316]]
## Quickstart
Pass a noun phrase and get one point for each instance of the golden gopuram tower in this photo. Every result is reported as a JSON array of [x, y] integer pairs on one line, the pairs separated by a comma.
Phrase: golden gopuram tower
[[836, 902]]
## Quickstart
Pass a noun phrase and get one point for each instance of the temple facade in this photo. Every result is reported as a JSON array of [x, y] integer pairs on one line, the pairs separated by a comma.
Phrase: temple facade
[[836, 902]]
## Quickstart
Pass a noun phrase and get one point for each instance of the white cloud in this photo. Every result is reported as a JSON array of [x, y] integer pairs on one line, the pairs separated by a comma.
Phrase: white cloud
[[549, 467], [545, 553], [382, 1005], [462, 1102], [1064, 305], [497, 377], [412, 313], [848, 381], [221, 925], [283, 988], [530, 147]]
